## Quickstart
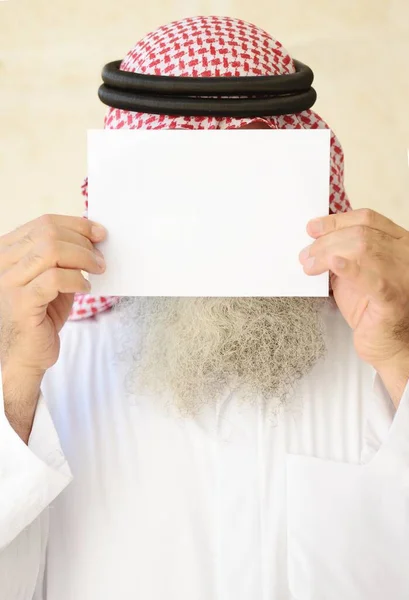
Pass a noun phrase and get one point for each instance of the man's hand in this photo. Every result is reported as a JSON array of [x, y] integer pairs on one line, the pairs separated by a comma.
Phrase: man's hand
[[368, 258], [40, 271]]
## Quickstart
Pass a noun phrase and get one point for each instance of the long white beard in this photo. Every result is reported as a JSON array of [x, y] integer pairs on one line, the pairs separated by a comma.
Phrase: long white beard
[[197, 348]]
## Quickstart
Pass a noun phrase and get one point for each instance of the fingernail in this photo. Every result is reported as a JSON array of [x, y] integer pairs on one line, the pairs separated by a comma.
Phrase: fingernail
[[98, 232], [316, 227], [310, 262], [98, 252], [101, 262], [304, 254]]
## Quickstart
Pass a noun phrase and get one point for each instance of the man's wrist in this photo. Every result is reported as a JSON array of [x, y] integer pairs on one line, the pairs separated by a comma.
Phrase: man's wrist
[[21, 391]]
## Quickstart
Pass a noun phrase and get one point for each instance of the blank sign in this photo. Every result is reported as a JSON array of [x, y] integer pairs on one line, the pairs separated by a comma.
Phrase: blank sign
[[207, 213]]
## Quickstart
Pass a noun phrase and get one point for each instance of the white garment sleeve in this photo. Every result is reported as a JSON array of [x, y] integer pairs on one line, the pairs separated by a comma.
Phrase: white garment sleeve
[[30, 479], [348, 524], [30, 476]]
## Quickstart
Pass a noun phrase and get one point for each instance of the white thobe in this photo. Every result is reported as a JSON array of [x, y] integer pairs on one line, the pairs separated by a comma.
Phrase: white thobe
[[119, 497]]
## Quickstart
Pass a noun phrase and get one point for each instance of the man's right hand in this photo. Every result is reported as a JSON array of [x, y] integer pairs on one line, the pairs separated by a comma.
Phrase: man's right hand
[[40, 271]]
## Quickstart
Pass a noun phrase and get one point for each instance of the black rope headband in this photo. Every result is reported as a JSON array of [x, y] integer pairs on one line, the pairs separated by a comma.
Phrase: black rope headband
[[239, 97]]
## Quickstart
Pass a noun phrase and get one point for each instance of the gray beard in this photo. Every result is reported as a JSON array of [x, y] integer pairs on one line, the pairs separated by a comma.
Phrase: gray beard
[[196, 349]]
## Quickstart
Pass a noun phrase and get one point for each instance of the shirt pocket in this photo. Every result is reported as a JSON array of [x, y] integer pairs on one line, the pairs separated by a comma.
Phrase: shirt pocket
[[348, 529]]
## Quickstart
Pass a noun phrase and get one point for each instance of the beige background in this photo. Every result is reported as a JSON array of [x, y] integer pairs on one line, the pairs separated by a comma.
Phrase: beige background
[[51, 54]]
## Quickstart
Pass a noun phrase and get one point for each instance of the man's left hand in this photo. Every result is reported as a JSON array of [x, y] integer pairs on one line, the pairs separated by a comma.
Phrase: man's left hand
[[367, 256]]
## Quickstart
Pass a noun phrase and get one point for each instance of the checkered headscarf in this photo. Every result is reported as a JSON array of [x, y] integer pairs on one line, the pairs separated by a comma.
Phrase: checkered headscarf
[[211, 47]]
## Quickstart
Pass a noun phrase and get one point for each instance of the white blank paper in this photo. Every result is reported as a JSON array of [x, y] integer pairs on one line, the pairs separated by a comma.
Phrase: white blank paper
[[207, 213]]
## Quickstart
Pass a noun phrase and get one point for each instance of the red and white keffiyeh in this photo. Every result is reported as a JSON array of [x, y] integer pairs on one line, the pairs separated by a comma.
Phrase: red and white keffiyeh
[[211, 47]]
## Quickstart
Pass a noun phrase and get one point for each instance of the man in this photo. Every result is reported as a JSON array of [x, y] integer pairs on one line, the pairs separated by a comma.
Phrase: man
[[253, 448]]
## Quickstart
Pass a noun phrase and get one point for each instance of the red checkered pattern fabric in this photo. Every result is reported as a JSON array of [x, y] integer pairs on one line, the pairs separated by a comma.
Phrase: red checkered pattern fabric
[[211, 47]]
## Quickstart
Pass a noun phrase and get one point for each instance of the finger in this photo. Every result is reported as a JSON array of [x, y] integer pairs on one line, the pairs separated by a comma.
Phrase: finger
[[50, 255], [91, 230], [362, 217], [46, 287], [368, 276], [371, 281], [317, 263], [353, 242], [10, 255]]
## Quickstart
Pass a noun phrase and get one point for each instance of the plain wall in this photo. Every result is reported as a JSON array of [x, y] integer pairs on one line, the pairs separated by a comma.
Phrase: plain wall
[[51, 55]]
